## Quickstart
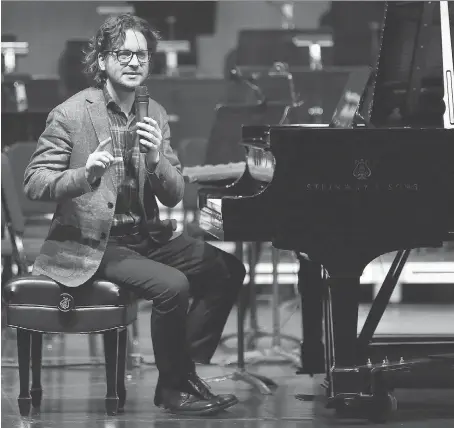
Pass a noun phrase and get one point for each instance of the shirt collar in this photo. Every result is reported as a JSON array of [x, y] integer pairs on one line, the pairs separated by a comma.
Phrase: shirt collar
[[110, 102], [108, 97]]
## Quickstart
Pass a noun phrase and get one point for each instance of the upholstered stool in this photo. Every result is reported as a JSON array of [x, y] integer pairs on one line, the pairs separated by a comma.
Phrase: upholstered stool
[[37, 304]]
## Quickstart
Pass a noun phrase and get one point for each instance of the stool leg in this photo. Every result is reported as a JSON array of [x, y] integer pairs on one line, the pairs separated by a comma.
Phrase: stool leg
[[36, 391], [134, 358], [135, 342], [121, 369], [92, 348], [23, 354], [111, 357]]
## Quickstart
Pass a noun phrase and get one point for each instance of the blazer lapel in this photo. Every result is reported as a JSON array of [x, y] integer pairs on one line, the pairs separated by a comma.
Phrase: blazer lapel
[[98, 114]]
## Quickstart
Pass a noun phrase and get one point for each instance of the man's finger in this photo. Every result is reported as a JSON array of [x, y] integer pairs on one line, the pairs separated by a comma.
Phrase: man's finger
[[99, 163], [103, 144], [150, 129], [150, 119], [105, 153], [108, 155], [148, 144], [115, 161], [106, 160], [149, 136]]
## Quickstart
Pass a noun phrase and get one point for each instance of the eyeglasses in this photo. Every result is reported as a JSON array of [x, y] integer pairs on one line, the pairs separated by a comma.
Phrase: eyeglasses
[[125, 56]]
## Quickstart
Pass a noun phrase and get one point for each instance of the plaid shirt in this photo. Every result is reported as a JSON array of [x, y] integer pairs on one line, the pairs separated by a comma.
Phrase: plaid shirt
[[127, 208]]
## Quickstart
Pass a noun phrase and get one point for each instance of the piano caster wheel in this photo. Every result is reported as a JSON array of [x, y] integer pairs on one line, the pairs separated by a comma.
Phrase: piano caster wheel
[[381, 407]]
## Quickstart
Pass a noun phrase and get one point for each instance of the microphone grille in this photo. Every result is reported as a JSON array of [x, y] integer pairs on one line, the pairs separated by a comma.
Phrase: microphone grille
[[142, 91]]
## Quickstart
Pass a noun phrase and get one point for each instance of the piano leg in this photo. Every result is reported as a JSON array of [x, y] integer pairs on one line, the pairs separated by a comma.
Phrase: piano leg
[[310, 287], [345, 303], [341, 334]]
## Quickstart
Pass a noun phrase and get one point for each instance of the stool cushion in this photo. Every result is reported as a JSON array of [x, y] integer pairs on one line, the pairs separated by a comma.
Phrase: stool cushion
[[36, 302]]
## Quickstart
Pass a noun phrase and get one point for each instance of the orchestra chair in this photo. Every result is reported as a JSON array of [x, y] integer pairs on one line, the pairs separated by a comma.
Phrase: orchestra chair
[[10, 267], [38, 216], [19, 248], [7, 252], [37, 304], [7, 274], [13, 226]]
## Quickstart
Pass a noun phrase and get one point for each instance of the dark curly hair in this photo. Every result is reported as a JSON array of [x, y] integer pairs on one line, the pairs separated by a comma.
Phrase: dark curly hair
[[111, 35]]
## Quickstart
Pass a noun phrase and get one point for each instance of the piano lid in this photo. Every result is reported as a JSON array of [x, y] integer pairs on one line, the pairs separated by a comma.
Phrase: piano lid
[[408, 86]]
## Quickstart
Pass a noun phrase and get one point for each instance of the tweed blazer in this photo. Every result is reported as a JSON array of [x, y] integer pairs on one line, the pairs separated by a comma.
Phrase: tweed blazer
[[80, 227]]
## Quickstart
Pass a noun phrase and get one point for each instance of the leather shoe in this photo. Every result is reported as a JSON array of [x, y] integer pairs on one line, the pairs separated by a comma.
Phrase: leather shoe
[[184, 403], [202, 389]]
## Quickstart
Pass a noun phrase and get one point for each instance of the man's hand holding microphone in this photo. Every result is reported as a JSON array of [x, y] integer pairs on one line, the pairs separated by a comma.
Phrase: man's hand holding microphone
[[148, 133], [150, 139]]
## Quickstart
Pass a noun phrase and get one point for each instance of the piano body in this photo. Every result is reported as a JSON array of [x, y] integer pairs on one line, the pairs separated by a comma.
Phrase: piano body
[[379, 179]]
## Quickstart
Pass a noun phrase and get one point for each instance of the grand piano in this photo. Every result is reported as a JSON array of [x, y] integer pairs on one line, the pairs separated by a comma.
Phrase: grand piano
[[379, 179]]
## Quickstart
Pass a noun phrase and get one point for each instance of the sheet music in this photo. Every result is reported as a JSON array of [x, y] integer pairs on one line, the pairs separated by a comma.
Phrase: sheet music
[[446, 47]]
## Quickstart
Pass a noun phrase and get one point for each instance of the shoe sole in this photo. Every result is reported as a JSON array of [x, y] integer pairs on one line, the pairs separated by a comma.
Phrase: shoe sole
[[207, 412]]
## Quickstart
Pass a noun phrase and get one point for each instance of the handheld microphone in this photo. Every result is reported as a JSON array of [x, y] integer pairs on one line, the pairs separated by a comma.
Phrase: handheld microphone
[[141, 103]]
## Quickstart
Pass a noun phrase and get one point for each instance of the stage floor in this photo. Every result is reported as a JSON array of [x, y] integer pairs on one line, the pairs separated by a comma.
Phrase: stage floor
[[74, 397]]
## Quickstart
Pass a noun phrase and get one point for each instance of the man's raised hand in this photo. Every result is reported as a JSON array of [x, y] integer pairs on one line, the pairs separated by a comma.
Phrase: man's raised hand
[[100, 161]]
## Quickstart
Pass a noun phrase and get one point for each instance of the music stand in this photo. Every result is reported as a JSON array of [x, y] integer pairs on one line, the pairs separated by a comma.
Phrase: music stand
[[315, 43], [9, 52], [171, 49], [353, 94], [265, 47], [276, 84]]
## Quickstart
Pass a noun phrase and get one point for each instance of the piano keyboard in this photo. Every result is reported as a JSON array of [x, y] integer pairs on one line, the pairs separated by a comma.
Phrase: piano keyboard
[[207, 173]]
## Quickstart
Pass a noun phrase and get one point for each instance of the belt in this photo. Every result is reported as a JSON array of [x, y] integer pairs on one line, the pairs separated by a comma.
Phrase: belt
[[125, 229]]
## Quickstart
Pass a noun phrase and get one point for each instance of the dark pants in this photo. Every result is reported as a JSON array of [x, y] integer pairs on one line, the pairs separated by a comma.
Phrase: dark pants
[[169, 275]]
